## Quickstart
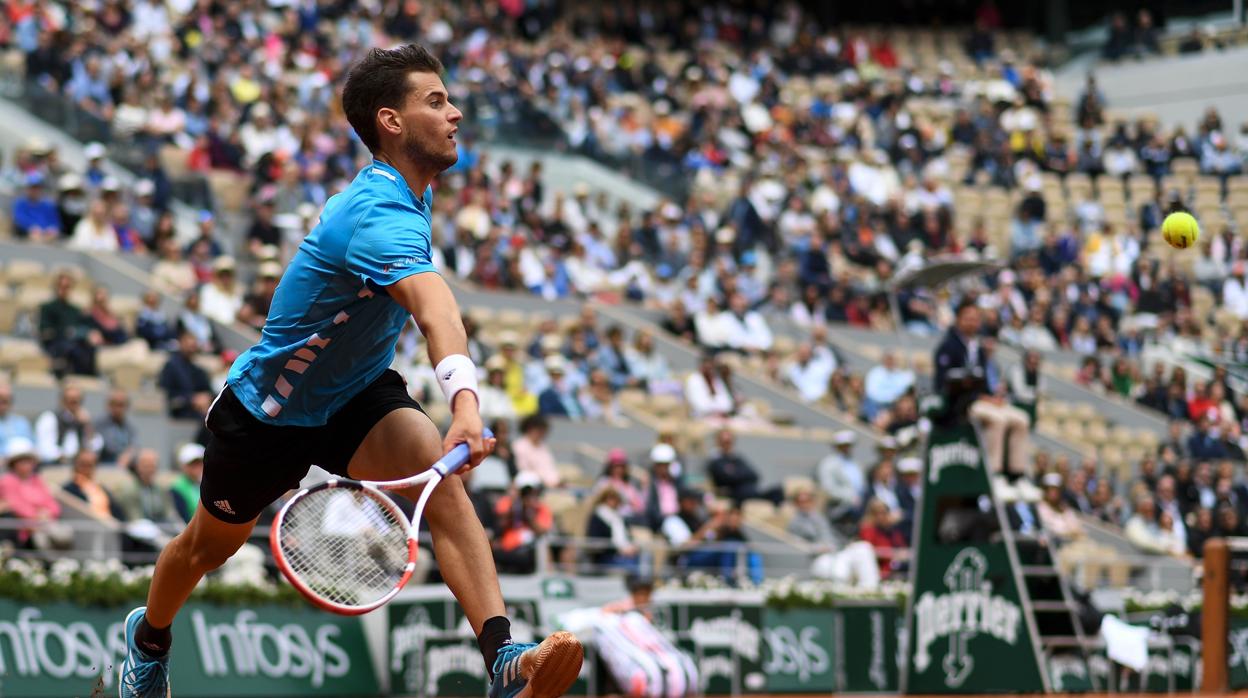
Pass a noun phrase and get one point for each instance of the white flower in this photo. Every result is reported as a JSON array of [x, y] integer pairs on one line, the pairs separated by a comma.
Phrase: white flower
[[38, 579]]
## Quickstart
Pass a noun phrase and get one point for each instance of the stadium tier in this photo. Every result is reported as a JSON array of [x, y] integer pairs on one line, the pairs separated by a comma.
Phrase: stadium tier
[[821, 357]]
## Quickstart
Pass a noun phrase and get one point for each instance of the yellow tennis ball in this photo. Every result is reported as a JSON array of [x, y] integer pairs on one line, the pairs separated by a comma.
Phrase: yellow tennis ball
[[1180, 230]]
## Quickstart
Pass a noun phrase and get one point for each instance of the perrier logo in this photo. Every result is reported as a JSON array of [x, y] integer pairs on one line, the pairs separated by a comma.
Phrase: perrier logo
[[968, 609]]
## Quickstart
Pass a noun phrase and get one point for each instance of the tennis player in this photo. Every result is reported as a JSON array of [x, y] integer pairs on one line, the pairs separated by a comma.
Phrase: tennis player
[[318, 388]]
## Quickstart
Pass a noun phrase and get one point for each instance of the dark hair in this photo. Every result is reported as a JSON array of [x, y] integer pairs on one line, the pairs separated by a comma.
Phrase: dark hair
[[964, 304], [533, 421], [379, 80]]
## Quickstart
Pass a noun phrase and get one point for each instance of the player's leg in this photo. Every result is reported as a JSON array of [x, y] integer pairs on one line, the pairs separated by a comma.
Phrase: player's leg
[[247, 465], [402, 441], [203, 546], [405, 442]]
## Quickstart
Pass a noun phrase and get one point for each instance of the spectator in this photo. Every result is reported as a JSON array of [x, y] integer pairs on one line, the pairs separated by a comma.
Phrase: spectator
[[885, 383], [188, 390], [12, 425], [533, 454], [808, 374], [615, 476], [612, 357], [1202, 443], [198, 325], [883, 488], [35, 216], [707, 393], [853, 564], [743, 329], [607, 522], [263, 232], [65, 430], [255, 307], [222, 298], [648, 367], [598, 402], [144, 499], [103, 320], [152, 324], [721, 546], [1060, 521], [118, 437], [1027, 384], [961, 349], [909, 490], [83, 485], [880, 529], [559, 399], [185, 488], [663, 497], [1235, 292], [94, 233], [23, 493], [1143, 531], [172, 272], [1201, 531], [66, 332], [733, 475], [522, 519], [841, 478], [492, 395]]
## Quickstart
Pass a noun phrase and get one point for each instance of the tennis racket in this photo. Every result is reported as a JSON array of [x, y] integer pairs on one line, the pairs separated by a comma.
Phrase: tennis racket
[[347, 546]]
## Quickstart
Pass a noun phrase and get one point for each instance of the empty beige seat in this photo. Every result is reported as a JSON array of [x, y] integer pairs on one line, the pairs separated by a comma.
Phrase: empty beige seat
[[22, 271]]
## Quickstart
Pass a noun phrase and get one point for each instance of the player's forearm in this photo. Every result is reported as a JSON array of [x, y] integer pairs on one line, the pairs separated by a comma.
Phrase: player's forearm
[[433, 307]]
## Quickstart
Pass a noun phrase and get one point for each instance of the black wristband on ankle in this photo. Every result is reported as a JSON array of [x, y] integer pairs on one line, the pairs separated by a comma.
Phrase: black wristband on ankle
[[495, 633], [154, 642]]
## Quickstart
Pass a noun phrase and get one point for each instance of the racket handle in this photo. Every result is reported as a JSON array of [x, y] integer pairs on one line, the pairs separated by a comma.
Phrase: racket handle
[[457, 458]]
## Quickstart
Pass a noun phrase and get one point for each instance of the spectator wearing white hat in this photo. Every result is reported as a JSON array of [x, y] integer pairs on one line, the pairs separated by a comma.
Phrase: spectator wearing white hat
[[909, 490], [663, 496], [185, 488], [841, 478], [23, 493], [94, 152]]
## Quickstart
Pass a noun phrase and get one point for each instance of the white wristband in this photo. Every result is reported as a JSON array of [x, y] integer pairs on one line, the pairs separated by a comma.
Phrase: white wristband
[[455, 373]]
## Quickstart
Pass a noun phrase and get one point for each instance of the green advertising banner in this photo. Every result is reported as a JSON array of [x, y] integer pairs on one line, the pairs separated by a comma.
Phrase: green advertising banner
[[433, 651], [866, 642], [1237, 657], [799, 650], [726, 642], [60, 650], [968, 633]]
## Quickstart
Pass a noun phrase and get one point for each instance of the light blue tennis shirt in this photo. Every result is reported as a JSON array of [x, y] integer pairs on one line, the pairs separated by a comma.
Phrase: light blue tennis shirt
[[332, 328]]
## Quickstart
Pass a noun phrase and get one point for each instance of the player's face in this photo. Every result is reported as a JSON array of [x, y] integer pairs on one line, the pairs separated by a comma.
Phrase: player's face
[[430, 122]]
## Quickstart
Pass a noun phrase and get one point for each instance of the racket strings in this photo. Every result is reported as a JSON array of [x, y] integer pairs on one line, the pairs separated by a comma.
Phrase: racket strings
[[345, 545]]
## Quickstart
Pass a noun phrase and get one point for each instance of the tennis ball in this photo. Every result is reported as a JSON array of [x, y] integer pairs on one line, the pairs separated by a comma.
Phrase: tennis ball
[[1180, 230]]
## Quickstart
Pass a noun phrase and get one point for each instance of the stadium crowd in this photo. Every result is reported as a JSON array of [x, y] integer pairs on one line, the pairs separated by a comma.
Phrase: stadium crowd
[[820, 165]]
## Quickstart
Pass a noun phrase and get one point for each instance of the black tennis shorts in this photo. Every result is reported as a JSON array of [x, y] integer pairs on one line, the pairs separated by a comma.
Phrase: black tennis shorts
[[249, 464]]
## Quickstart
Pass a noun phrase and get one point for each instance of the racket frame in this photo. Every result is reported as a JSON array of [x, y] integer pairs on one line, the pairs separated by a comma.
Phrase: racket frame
[[448, 464]]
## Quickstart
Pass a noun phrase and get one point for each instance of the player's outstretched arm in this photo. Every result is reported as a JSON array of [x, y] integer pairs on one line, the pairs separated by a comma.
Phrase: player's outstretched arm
[[433, 307]]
